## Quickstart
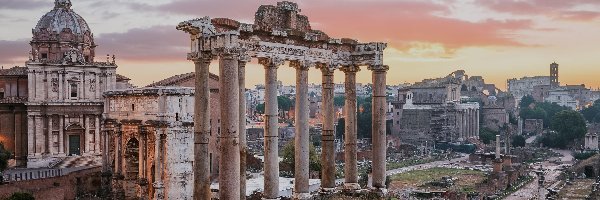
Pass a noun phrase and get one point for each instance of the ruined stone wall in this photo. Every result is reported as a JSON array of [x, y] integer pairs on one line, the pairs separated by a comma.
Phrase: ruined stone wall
[[178, 163], [13, 130], [494, 117]]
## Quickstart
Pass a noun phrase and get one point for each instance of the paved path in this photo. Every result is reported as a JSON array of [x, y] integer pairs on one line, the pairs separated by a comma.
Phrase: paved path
[[552, 171]]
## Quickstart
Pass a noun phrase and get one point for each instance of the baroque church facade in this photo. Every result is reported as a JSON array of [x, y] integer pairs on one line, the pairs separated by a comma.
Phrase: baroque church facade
[[65, 102], [53, 107]]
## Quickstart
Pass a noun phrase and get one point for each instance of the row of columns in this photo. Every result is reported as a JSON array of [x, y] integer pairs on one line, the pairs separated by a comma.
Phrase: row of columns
[[468, 123], [232, 145], [41, 137]]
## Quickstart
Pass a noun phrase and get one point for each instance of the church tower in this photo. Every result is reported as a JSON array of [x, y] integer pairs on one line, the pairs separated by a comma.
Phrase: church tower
[[554, 75]]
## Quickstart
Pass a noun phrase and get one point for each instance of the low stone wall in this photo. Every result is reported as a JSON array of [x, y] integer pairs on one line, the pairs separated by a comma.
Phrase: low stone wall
[[57, 188]]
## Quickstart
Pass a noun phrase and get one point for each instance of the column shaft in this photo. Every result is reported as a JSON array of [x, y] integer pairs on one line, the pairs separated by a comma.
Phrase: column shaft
[[202, 130], [271, 131], [39, 135], [350, 148], [50, 141], [229, 162], [379, 129], [158, 163], [97, 135], [301, 139], [61, 127], [328, 137], [242, 124], [30, 135]]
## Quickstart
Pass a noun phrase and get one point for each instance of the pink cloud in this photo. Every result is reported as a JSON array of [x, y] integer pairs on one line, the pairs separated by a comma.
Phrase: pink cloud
[[12, 52], [556, 9], [145, 44]]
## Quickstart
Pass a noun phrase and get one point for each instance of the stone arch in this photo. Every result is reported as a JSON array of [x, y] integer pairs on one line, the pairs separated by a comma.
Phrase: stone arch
[[131, 157]]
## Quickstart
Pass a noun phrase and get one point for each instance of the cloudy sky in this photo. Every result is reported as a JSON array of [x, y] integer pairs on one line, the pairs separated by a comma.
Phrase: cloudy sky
[[497, 39]]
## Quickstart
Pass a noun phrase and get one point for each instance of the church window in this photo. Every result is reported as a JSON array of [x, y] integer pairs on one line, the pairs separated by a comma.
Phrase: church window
[[73, 90], [44, 55], [132, 107], [176, 116]]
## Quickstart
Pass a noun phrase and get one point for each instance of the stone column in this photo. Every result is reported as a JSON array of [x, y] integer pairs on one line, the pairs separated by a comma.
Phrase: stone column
[[97, 135], [229, 147], [350, 148], [327, 136], [202, 128], [497, 146], [477, 113], [271, 184], [61, 135], [39, 135], [379, 108], [50, 140], [30, 136], [302, 137], [158, 163], [242, 123], [86, 134]]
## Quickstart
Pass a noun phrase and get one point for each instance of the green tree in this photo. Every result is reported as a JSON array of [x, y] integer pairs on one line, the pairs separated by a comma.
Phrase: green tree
[[284, 103], [288, 155], [21, 196], [260, 108], [518, 141], [526, 101], [487, 135], [4, 156], [364, 118], [339, 101], [569, 125], [592, 113]]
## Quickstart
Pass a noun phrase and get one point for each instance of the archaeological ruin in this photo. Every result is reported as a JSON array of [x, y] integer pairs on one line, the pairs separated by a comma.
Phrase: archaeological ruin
[[279, 34]]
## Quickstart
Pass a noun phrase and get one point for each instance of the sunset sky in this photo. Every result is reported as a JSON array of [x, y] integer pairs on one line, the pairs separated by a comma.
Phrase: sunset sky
[[496, 39]]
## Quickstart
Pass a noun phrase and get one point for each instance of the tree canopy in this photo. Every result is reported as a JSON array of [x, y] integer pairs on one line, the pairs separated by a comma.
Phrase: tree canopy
[[518, 141], [567, 126], [487, 135], [288, 155], [339, 101], [4, 156], [592, 113], [284, 103]]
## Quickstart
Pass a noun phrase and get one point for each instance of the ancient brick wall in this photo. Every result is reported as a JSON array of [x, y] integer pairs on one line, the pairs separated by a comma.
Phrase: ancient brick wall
[[83, 182]]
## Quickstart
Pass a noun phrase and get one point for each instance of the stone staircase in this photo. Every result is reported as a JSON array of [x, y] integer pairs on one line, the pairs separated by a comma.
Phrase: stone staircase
[[79, 161]]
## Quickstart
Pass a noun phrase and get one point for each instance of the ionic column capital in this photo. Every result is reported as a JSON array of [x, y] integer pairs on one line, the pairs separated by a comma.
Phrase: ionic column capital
[[229, 53], [302, 64], [201, 57], [273, 62], [379, 68], [350, 69], [325, 68]]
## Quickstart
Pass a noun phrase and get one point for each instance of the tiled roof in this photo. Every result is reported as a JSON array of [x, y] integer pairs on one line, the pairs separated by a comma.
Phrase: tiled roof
[[15, 71], [173, 80]]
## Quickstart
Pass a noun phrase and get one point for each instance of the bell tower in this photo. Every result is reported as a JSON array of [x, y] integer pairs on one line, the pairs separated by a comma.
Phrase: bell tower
[[554, 75]]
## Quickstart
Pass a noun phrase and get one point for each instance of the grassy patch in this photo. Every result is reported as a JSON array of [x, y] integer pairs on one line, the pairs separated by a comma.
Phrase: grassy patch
[[467, 179]]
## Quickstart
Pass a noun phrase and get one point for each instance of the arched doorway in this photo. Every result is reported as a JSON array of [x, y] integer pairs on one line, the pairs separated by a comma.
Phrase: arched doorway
[[132, 161], [74, 135]]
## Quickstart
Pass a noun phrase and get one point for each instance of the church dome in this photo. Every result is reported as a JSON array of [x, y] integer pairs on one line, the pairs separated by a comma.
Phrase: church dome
[[62, 30], [61, 18]]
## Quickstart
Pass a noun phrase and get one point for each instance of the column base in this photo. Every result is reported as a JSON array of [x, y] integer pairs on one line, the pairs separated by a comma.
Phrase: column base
[[351, 187], [302, 196]]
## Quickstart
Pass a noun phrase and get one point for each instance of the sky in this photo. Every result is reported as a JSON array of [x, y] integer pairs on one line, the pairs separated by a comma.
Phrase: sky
[[496, 39]]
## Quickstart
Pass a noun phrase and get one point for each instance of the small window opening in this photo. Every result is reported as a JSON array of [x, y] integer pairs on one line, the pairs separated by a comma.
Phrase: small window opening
[[176, 116], [132, 107], [73, 90], [44, 55]]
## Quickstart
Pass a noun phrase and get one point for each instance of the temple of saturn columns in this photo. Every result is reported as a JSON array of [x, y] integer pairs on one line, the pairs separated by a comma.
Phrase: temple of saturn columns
[[280, 34]]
